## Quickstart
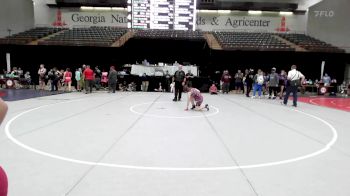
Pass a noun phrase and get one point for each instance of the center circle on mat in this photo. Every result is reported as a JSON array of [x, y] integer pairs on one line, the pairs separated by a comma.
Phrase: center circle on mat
[[154, 168], [167, 109]]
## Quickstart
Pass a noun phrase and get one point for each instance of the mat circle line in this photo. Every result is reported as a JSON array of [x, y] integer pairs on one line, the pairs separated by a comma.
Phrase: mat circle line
[[135, 167]]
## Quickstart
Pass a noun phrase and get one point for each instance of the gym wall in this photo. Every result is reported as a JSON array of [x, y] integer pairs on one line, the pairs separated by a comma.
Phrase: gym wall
[[16, 15]]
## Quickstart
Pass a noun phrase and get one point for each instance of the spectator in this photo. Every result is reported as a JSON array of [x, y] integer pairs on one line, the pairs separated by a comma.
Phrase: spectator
[[104, 79], [27, 79], [160, 88], [98, 75], [54, 77], [67, 77], [294, 82], [239, 82], [326, 79], [82, 79], [213, 90], [132, 86], [112, 79], [258, 83], [89, 79], [226, 80], [167, 81], [249, 80], [273, 80], [42, 73], [282, 82], [78, 78], [145, 82], [189, 78], [61, 78], [180, 80]]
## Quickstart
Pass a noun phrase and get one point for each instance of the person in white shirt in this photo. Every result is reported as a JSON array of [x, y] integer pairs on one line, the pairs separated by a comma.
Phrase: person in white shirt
[[294, 78], [42, 73]]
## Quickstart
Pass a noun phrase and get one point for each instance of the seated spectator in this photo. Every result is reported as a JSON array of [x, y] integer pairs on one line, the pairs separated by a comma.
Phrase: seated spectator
[[132, 86], [160, 88], [213, 90], [172, 87], [343, 88]]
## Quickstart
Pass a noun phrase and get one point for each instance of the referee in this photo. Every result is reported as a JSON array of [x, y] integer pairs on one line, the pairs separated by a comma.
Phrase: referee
[[179, 79], [294, 80]]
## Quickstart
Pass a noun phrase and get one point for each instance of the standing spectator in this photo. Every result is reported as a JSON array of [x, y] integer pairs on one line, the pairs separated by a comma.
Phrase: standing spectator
[[145, 82], [78, 78], [294, 77], [104, 79], [82, 79], [180, 80], [239, 81], [258, 83], [189, 78], [273, 80], [3, 177], [67, 77], [326, 79], [167, 81], [98, 75], [61, 78], [112, 80], [226, 80], [89, 79], [54, 77], [246, 72], [282, 82], [249, 80], [42, 73]]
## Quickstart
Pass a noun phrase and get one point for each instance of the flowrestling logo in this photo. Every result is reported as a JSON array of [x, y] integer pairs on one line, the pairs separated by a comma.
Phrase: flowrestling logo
[[324, 14]]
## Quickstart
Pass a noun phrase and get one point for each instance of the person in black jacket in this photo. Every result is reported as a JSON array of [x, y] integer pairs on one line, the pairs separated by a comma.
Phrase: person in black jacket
[[180, 80], [54, 76], [249, 81], [112, 79]]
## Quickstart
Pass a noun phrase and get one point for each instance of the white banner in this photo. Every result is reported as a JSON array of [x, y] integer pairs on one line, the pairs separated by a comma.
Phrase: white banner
[[235, 21], [8, 62]]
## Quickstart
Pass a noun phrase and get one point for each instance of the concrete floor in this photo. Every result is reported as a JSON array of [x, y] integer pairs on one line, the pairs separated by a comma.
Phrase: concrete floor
[[130, 144]]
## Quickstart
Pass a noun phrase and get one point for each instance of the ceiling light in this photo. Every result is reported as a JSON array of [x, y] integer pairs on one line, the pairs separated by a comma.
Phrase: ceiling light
[[254, 12], [286, 13], [86, 8]]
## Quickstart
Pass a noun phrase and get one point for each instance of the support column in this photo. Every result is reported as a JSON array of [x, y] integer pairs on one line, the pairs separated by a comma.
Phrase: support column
[[347, 73]]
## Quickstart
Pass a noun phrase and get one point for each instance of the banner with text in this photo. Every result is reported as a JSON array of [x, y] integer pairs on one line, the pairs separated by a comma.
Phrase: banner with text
[[75, 17]]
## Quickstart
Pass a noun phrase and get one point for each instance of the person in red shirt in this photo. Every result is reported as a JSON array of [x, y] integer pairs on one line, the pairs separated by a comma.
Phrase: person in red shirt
[[89, 79], [226, 80], [3, 177]]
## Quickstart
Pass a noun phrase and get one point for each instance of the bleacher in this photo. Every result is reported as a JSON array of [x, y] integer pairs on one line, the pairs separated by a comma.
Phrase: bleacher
[[169, 34], [29, 36], [250, 41], [93, 36], [310, 43]]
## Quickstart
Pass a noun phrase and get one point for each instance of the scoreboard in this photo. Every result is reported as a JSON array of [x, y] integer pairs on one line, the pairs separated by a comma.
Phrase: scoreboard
[[162, 14]]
